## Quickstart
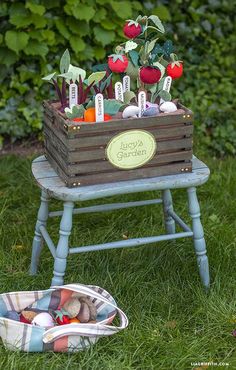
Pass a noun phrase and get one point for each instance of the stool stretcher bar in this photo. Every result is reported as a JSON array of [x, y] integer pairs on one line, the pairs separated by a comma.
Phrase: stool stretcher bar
[[109, 207], [130, 243], [179, 220], [48, 240]]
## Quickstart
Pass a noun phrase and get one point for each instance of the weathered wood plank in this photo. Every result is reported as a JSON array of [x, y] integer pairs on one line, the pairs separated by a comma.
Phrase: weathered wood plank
[[102, 138], [120, 175], [183, 114], [96, 166]]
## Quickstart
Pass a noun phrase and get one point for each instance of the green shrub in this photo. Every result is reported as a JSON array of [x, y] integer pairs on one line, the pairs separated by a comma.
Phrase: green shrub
[[34, 34]]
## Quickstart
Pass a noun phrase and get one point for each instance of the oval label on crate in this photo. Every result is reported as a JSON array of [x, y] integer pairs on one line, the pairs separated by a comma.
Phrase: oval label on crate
[[131, 149]]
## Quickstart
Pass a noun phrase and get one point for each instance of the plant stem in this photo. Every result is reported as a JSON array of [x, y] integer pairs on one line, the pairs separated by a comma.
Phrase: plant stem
[[58, 91], [63, 93]]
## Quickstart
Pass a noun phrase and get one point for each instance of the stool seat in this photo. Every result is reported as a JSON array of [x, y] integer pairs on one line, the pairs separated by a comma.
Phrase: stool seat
[[49, 182]]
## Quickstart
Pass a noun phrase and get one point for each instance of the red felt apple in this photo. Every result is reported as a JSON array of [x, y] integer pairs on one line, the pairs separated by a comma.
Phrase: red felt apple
[[150, 75]]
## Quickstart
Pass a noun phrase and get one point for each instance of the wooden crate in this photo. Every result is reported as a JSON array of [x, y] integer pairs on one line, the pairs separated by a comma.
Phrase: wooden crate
[[76, 150]]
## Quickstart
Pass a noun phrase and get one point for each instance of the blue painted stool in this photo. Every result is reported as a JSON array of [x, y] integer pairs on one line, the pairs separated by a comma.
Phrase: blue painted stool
[[53, 187]]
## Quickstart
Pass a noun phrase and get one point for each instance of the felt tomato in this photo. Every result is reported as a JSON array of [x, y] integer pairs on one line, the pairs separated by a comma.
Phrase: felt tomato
[[132, 30], [175, 69], [24, 320], [118, 63], [61, 316], [149, 75], [107, 117], [63, 320]]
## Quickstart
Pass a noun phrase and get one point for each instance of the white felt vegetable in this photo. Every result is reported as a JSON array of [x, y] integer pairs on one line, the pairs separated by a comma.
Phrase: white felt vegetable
[[130, 111], [168, 107], [43, 319]]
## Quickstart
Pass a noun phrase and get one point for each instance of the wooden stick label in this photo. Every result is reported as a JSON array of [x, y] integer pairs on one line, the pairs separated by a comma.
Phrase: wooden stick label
[[126, 83], [141, 102], [119, 91], [166, 86], [99, 108], [73, 95]]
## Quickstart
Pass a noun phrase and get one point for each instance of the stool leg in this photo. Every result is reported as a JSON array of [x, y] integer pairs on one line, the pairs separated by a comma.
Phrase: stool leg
[[198, 237], [168, 205], [38, 240], [62, 247]]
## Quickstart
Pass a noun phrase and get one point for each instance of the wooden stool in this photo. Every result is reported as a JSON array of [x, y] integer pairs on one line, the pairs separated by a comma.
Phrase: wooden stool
[[53, 187]]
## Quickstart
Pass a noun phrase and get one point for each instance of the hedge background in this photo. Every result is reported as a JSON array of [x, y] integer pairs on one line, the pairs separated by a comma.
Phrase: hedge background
[[34, 34]]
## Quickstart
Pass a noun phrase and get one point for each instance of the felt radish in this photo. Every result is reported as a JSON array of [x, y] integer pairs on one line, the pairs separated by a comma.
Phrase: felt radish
[[132, 29], [118, 63], [149, 75], [175, 69]]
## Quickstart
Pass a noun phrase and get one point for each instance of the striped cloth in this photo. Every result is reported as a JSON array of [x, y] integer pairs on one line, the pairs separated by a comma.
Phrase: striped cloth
[[65, 338]]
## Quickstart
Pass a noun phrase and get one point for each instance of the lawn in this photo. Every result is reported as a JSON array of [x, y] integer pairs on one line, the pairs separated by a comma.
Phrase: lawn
[[173, 322]]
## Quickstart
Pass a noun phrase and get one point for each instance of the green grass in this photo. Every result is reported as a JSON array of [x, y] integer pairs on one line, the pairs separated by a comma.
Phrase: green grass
[[172, 321]]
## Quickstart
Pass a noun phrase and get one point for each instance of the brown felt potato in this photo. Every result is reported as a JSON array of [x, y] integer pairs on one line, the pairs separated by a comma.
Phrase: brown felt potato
[[92, 308], [84, 314], [72, 307]]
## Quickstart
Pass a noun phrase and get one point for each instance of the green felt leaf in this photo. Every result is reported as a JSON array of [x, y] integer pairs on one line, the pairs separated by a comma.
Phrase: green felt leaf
[[105, 37], [100, 67], [151, 45], [160, 84], [49, 77], [132, 71], [161, 67], [112, 106], [35, 8], [76, 111], [156, 20], [77, 44], [165, 95], [130, 45], [168, 47], [122, 8], [173, 57], [65, 61], [105, 83], [128, 96], [35, 47], [68, 76], [96, 77], [152, 88], [7, 57], [76, 72], [134, 56], [16, 41]]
